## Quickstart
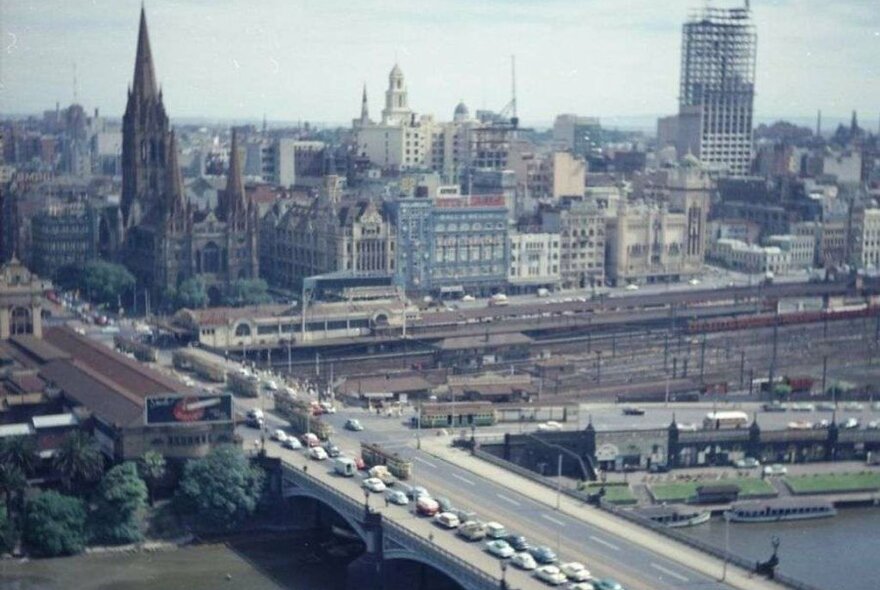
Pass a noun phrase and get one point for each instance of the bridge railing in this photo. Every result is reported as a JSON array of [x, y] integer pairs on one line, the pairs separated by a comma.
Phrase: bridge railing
[[477, 577], [351, 505]]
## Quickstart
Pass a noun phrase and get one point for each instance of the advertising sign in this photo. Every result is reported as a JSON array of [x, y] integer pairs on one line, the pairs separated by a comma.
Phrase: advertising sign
[[192, 409]]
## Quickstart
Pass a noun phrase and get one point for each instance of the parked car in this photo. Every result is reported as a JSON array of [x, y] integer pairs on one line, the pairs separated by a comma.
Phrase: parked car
[[279, 435], [850, 424], [500, 548], [873, 425], [747, 463], [550, 426], [518, 542], [825, 407], [354, 425], [632, 287], [524, 561], [775, 469], [396, 497], [318, 454], [543, 554], [447, 520], [773, 407], [550, 574], [606, 584], [853, 407], [374, 484], [822, 424], [292, 443], [575, 571], [633, 411], [427, 506], [802, 407]]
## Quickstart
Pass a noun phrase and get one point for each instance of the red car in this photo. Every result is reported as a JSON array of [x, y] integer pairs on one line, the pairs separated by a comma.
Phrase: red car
[[427, 506], [359, 463]]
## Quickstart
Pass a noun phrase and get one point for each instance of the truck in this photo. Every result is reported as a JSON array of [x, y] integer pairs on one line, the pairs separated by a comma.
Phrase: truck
[[345, 466]]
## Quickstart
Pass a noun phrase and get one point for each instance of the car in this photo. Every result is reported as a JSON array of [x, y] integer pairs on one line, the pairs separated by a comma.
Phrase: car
[[328, 407], [632, 287], [607, 584], [318, 454], [271, 385], [292, 443], [580, 586], [694, 282], [825, 407], [876, 406], [427, 506], [416, 492], [465, 515], [524, 561], [254, 422], [332, 449], [447, 520], [822, 424], [374, 484], [495, 530], [543, 554], [687, 427], [354, 425], [396, 497], [853, 407], [850, 424], [800, 425], [445, 504], [310, 439], [873, 425], [747, 463], [802, 407], [550, 426], [472, 530], [775, 469], [279, 435], [550, 574], [518, 542], [500, 548], [575, 571], [633, 411], [359, 463], [773, 407], [468, 298]]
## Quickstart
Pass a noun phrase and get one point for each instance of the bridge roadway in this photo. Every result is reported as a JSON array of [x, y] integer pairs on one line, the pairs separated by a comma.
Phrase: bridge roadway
[[604, 552]]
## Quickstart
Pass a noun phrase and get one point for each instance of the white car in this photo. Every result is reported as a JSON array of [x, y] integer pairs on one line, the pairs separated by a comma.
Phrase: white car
[[292, 443], [873, 425], [524, 561], [279, 435], [328, 407], [576, 572], [550, 426], [581, 586], [500, 548], [374, 484], [853, 407], [318, 454], [631, 287], [775, 469], [694, 282], [850, 424], [447, 520], [468, 298], [550, 574]]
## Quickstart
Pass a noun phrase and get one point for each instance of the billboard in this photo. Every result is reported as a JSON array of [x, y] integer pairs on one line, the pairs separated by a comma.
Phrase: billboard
[[188, 409]]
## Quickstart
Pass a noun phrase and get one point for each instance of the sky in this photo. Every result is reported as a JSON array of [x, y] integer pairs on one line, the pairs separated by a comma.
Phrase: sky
[[296, 60]]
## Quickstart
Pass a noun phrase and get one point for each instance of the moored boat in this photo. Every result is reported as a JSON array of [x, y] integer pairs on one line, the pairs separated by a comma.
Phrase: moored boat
[[780, 509], [675, 516]]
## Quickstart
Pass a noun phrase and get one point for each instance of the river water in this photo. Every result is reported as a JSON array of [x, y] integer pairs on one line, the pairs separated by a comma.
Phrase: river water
[[248, 565], [830, 553]]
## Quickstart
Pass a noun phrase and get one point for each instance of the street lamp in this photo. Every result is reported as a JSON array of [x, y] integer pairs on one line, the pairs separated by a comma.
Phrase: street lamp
[[366, 502], [503, 575]]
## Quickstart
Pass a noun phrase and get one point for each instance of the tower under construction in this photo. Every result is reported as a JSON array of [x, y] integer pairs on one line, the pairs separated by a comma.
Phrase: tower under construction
[[718, 88]]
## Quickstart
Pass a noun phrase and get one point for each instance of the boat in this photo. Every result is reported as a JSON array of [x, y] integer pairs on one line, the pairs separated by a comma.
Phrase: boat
[[675, 516], [780, 509]]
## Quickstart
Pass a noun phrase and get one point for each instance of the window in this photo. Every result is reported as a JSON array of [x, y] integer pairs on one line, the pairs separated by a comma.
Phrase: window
[[242, 330]]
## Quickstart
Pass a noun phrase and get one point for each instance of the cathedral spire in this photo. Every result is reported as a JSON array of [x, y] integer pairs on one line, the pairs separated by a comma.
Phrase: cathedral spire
[[174, 199], [365, 110], [235, 202], [144, 74]]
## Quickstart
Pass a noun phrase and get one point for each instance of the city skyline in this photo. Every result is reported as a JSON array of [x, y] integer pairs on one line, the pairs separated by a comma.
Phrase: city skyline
[[252, 56]]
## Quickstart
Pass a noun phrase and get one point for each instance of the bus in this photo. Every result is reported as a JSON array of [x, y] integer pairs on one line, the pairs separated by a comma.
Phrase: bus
[[443, 414], [243, 383], [725, 420], [202, 363]]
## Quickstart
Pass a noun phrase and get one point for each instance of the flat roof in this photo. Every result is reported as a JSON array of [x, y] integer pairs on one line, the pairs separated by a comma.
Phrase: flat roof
[[23, 429], [54, 421]]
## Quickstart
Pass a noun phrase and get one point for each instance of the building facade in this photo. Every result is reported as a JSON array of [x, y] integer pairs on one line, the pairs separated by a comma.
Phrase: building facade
[[534, 260]]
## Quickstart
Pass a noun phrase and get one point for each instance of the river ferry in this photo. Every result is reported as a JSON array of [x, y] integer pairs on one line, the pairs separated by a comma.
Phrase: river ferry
[[779, 510], [675, 517]]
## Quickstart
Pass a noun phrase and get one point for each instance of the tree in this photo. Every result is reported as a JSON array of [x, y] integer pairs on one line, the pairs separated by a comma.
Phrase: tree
[[20, 451], [221, 489], [105, 282], [192, 293], [7, 532], [55, 524], [152, 468], [118, 500], [12, 483], [782, 390], [248, 292], [78, 460]]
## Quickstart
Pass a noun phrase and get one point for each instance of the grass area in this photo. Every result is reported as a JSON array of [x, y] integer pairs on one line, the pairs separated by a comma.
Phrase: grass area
[[833, 482], [614, 493], [681, 491]]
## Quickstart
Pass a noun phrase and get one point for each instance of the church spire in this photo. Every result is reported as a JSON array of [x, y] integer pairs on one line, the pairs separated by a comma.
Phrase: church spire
[[365, 110], [175, 204], [235, 202], [144, 74]]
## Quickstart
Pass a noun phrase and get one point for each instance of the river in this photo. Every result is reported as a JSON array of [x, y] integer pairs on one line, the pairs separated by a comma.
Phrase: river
[[830, 553], [288, 564]]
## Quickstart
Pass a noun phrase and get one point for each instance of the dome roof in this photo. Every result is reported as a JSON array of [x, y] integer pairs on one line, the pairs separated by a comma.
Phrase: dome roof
[[461, 109]]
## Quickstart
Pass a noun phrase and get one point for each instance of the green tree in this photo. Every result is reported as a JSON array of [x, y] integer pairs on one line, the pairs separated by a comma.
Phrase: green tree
[[13, 482], [118, 501], [192, 293], [105, 282], [248, 292], [222, 489], [152, 467], [20, 451], [7, 532], [781, 391], [55, 524], [78, 460]]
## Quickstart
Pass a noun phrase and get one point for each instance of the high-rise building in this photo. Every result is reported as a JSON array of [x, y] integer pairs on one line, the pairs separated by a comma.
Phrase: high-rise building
[[717, 89]]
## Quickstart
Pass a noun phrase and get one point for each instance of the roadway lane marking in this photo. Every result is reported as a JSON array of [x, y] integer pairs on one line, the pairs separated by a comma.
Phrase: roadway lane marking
[[669, 572], [604, 542], [460, 478], [428, 463], [551, 519], [508, 500]]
